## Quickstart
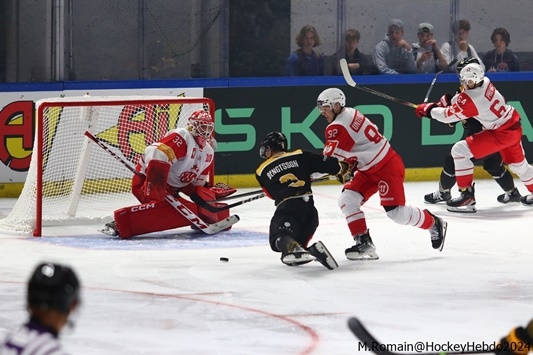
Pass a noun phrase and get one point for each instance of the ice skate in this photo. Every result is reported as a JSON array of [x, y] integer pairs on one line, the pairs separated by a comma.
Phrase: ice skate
[[527, 200], [438, 196], [110, 229], [465, 203], [363, 249], [322, 255], [510, 196], [438, 232], [296, 255]]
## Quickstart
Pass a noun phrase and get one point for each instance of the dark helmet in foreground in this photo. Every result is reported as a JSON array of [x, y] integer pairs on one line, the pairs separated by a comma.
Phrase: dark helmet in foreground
[[274, 141], [53, 287]]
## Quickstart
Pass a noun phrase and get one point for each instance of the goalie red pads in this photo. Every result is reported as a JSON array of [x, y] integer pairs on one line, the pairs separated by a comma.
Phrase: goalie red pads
[[156, 180], [158, 216]]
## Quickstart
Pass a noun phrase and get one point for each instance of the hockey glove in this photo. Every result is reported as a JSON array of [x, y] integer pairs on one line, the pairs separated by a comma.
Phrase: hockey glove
[[345, 174], [156, 180], [424, 110], [518, 342], [222, 190], [445, 100]]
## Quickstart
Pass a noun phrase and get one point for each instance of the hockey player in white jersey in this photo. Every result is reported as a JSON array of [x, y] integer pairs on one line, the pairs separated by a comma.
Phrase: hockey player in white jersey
[[502, 132], [352, 137]]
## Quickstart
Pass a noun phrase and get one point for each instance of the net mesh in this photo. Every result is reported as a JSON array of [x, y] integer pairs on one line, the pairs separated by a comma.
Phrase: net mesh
[[81, 182]]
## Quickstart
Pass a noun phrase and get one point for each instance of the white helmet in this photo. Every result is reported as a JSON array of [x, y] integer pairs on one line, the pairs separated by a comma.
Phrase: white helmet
[[329, 97], [201, 125], [472, 73]]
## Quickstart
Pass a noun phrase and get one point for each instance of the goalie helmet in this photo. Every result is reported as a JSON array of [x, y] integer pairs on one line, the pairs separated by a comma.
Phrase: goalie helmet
[[471, 74], [274, 141], [53, 287], [464, 62], [330, 97], [201, 126]]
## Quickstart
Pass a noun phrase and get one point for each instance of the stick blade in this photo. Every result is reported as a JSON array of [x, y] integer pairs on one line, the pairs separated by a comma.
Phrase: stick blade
[[359, 330], [346, 72]]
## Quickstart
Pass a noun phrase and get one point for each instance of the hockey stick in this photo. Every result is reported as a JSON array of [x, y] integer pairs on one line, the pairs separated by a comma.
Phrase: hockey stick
[[372, 344], [173, 201], [349, 80], [260, 194], [233, 197], [435, 79]]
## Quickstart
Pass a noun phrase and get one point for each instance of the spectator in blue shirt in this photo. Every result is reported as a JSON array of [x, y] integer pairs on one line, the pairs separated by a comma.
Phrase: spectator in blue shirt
[[305, 61]]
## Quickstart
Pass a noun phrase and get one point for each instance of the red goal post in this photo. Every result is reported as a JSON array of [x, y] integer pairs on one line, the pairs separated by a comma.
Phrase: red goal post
[[72, 182]]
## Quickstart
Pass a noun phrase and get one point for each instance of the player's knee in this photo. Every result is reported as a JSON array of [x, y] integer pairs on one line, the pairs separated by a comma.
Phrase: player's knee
[[350, 199], [461, 150], [494, 166]]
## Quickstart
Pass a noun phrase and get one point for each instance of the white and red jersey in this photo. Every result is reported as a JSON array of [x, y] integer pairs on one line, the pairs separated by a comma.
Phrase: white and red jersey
[[484, 103], [189, 163], [352, 136]]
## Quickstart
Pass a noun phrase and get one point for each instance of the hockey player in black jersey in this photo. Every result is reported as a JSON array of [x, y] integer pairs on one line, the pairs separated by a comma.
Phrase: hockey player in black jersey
[[286, 178]]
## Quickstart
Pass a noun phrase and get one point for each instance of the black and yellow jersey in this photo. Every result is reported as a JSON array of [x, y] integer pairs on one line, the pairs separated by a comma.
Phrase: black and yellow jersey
[[288, 174]]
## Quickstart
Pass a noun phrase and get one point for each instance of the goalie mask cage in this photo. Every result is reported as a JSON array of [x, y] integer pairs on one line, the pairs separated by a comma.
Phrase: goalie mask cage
[[73, 181]]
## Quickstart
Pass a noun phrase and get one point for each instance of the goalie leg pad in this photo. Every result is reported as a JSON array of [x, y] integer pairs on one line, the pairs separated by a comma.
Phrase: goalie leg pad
[[150, 217]]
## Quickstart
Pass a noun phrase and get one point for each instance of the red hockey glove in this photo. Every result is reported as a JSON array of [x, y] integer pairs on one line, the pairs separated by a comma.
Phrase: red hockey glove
[[424, 110], [222, 190], [156, 180], [445, 100]]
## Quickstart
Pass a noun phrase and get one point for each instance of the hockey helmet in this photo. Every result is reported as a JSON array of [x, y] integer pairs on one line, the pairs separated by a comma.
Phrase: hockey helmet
[[330, 97], [53, 287], [200, 124], [471, 74], [274, 141], [464, 62]]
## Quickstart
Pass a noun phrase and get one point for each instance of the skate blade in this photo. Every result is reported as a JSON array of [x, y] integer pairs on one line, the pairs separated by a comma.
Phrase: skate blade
[[462, 209], [357, 256], [323, 256]]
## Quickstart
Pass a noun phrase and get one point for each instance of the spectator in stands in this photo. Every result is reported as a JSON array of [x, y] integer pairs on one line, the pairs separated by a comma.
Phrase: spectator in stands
[[305, 61], [501, 58], [393, 55], [460, 48], [428, 56], [358, 63]]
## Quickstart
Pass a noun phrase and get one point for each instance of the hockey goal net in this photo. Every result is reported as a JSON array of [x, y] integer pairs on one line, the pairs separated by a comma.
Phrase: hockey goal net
[[71, 180]]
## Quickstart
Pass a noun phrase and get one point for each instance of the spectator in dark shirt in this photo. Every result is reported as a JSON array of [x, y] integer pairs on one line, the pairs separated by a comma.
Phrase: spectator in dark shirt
[[305, 61], [359, 63], [501, 58], [53, 295]]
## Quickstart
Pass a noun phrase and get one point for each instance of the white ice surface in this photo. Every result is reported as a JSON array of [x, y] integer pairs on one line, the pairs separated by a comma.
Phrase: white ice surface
[[168, 293]]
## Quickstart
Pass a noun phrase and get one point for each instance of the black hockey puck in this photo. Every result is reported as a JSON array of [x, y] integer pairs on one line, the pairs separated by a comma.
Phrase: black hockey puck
[[224, 259]]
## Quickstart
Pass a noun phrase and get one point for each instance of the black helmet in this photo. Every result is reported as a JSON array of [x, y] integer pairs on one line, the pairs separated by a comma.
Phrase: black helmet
[[273, 141], [464, 62], [53, 286]]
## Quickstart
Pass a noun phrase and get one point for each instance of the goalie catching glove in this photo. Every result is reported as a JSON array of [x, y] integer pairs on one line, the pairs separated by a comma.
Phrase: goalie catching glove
[[345, 173], [222, 190]]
